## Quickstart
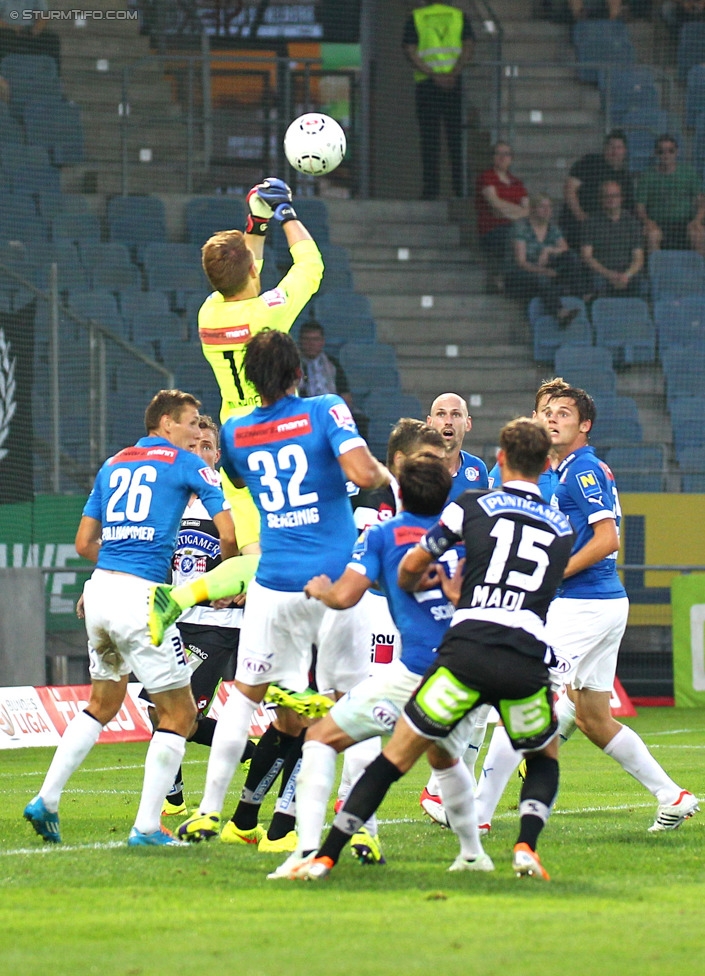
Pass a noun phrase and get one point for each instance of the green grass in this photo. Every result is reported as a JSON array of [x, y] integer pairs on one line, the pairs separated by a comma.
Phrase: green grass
[[622, 902]]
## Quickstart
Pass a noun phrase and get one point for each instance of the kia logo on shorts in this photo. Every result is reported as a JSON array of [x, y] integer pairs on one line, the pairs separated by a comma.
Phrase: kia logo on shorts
[[385, 716], [257, 667], [6, 724]]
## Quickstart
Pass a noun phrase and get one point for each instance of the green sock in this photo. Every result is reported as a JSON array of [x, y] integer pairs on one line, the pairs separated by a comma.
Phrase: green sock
[[229, 578]]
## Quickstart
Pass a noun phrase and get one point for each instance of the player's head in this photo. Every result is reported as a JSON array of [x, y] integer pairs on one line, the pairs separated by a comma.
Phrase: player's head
[[312, 339], [272, 364], [570, 416], [409, 436], [228, 262], [208, 448], [174, 415], [548, 389], [524, 444], [424, 483], [449, 415]]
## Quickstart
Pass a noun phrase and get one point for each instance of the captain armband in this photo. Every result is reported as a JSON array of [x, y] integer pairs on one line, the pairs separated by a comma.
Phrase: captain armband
[[439, 539]]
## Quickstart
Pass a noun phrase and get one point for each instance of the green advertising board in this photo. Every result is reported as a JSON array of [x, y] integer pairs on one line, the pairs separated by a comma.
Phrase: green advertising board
[[688, 607], [41, 533]]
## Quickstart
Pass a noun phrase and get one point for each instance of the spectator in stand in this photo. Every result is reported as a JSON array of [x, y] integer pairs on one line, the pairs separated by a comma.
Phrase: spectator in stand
[[671, 202], [581, 192], [675, 13], [22, 29], [501, 199], [323, 373], [612, 248], [541, 263]]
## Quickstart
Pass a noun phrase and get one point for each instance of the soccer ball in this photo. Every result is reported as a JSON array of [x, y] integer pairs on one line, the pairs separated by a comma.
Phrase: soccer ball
[[314, 144]]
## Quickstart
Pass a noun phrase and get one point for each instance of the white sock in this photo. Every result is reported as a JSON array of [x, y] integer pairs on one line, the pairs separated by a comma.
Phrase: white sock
[[313, 788], [500, 762], [634, 758], [432, 785], [358, 757], [565, 713], [476, 740], [164, 755], [227, 747], [456, 786], [77, 741]]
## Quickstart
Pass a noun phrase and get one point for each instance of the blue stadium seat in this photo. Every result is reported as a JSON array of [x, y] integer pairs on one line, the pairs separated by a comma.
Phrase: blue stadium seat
[[100, 306], [57, 126], [64, 254], [691, 47], [35, 178], [368, 367], [548, 336], [629, 88], [337, 274], [109, 266], [692, 466], [683, 369], [638, 467], [570, 356], [381, 404], [313, 213], [676, 273], [694, 94], [698, 144], [196, 376], [175, 267], [617, 420], [687, 420], [10, 129], [346, 316], [204, 216], [30, 76], [603, 41], [80, 228], [624, 326], [680, 321], [136, 221]]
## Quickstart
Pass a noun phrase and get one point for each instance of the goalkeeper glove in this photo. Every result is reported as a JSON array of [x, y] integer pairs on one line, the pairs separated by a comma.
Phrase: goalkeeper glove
[[273, 192], [260, 214]]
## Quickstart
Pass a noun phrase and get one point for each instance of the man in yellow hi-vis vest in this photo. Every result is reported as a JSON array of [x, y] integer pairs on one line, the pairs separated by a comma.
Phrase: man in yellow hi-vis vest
[[439, 41]]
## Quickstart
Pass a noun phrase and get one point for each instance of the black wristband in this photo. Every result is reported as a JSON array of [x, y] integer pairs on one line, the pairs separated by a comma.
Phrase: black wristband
[[256, 225], [285, 212]]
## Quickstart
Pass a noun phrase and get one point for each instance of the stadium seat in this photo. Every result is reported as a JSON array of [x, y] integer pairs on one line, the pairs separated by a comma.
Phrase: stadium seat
[[683, 369], [35, 178], [390, 406], [680, 321], [99, 306], [624, 326], [549, 336], [691, 47], [29, 76], [676, 273], [15, 157], [136, 221], [346, 316], [638, 467], [204, 216], [175, 267], [692, 467], [137, 305], [571, 356], [109, 266], [337, 274], [10, 129], [313, 213], [601, 41], [617, 420], [694, 94], [369, 367], [687, 420], [57, 126], [77, 227], [64, 254], [628, 88]]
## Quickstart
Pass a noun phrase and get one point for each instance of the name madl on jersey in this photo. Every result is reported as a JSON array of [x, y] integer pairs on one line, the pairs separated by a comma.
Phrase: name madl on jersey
[[486, 597]]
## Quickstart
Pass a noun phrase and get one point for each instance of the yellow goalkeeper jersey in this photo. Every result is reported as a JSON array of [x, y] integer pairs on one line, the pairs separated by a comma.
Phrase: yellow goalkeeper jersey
[[225, 327]]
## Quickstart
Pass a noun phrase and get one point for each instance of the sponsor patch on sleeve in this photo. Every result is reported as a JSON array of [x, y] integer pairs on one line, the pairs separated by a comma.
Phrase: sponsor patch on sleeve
[[210, 476], [277, 296], [588, 484], [340, 412]]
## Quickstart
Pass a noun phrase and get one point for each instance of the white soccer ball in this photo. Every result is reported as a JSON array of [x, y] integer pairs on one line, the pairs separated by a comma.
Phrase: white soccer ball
[[314, 144]]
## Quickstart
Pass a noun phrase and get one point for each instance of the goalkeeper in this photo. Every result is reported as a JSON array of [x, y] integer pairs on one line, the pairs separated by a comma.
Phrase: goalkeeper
[[236, 311]]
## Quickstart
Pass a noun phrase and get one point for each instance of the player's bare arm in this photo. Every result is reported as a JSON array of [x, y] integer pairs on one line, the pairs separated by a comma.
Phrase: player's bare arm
[[604, 542], [362, 468], [223, 522], [412, 568], [346, 592], [87, 541]]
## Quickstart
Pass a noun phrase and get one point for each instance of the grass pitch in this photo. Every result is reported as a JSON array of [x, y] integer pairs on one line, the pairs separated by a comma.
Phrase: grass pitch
[[622, 902]]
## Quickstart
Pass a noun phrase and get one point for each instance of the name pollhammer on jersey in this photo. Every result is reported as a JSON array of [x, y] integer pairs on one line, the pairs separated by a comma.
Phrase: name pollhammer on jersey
[[289, 520], [114, 533]]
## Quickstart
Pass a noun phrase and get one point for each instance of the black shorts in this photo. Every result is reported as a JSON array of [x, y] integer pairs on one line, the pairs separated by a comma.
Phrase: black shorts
[[467, 674], [216, 648]]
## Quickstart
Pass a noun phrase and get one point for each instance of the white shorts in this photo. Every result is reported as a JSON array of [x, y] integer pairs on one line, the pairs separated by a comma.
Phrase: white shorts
[[278, 629], [585, 635], [118, 639], [343, 649], [373, 706], [385, 640]]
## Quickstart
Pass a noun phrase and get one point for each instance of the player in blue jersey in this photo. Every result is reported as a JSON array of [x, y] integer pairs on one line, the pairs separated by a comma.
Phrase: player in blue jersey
[[295, 456], [449, 415], [372, 707], [129, 528], [495, 651], [588, 618]]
